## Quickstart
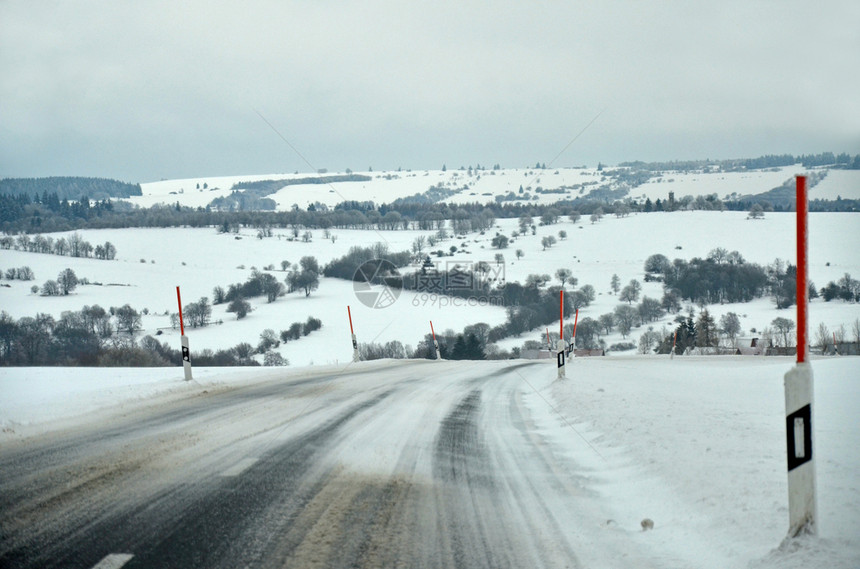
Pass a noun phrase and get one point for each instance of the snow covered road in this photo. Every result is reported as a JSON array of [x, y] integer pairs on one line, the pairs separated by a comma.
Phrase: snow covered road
[[415, 464]]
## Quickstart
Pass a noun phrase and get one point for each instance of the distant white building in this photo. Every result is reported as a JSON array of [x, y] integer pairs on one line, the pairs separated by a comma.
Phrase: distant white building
[[750, 347]]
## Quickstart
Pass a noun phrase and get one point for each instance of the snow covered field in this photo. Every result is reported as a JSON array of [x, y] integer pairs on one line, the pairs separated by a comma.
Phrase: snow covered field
[[152, 262], [695, 444]]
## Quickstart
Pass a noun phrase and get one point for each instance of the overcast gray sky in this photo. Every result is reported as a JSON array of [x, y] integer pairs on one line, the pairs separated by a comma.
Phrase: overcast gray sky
[[147, 90]]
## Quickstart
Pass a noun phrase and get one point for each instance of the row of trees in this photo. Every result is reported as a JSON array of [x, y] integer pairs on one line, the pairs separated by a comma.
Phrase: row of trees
[[52, 191], [94, 336], [269, 340], [304, 277], [371, 259], [768, 161], [722, 277], [20, 274], [706, 334], [21, 213], [825, 337], [73, 246], [846, 288], [76, 338]]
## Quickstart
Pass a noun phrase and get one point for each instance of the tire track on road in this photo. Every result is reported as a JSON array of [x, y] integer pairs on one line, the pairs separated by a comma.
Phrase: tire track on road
[[208, 524]]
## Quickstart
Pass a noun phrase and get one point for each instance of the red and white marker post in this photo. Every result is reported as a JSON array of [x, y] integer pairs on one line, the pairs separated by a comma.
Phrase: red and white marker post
[[355, 356], [674, 340], [186, 353], [548, 341], [573, 339], [802, 502], [435, 343], [560, 344]]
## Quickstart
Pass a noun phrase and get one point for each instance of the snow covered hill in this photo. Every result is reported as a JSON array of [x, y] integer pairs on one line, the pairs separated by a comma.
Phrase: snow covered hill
[[539, 186]]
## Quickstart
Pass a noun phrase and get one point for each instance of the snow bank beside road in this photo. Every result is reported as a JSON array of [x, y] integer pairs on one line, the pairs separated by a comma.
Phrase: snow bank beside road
[[698, 445], [37, 399]]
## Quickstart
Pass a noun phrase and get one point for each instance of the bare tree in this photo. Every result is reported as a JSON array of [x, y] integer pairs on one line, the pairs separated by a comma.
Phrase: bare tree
[[127, 319], [756, 212], [563, 275], [67, 280], [822, 336], [784, 328], [418, 244], [730, 325], [719, 255]]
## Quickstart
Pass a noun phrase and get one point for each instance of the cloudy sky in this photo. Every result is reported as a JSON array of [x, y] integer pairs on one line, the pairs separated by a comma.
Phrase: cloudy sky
[[147, 90]]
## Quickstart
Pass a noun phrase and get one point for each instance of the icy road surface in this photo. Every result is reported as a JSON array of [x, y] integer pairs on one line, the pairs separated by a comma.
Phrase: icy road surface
[[408, 464]]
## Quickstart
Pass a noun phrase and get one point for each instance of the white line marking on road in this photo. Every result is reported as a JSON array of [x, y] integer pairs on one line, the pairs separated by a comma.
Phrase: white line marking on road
[[240, 467], [114, 561]]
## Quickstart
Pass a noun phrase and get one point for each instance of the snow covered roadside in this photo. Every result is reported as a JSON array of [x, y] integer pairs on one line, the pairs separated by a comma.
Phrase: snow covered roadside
[[37, 399], [698, 445]]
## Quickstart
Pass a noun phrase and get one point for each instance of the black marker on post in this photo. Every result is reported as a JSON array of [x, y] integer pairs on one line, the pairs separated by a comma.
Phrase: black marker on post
[[560, 344], [186, 353]]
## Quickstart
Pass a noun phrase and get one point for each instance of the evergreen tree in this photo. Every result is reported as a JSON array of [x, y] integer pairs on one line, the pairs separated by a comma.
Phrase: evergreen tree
[[706, 330], [474, 350], [686, 335], [460, 351]]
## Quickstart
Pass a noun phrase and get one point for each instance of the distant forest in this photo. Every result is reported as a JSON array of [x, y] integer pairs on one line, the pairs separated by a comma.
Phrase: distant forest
[[20, 214], [46, 205], [69, 188], [843, 160]]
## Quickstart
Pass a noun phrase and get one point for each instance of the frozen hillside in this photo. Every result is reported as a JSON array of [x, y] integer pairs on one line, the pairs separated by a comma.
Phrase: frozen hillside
[[539, 186]]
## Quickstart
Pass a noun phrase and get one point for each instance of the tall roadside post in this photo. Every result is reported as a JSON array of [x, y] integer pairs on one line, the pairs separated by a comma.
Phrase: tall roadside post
[[560, 344], [802, 502], [186, 353], [435, 343], [355, 356]]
